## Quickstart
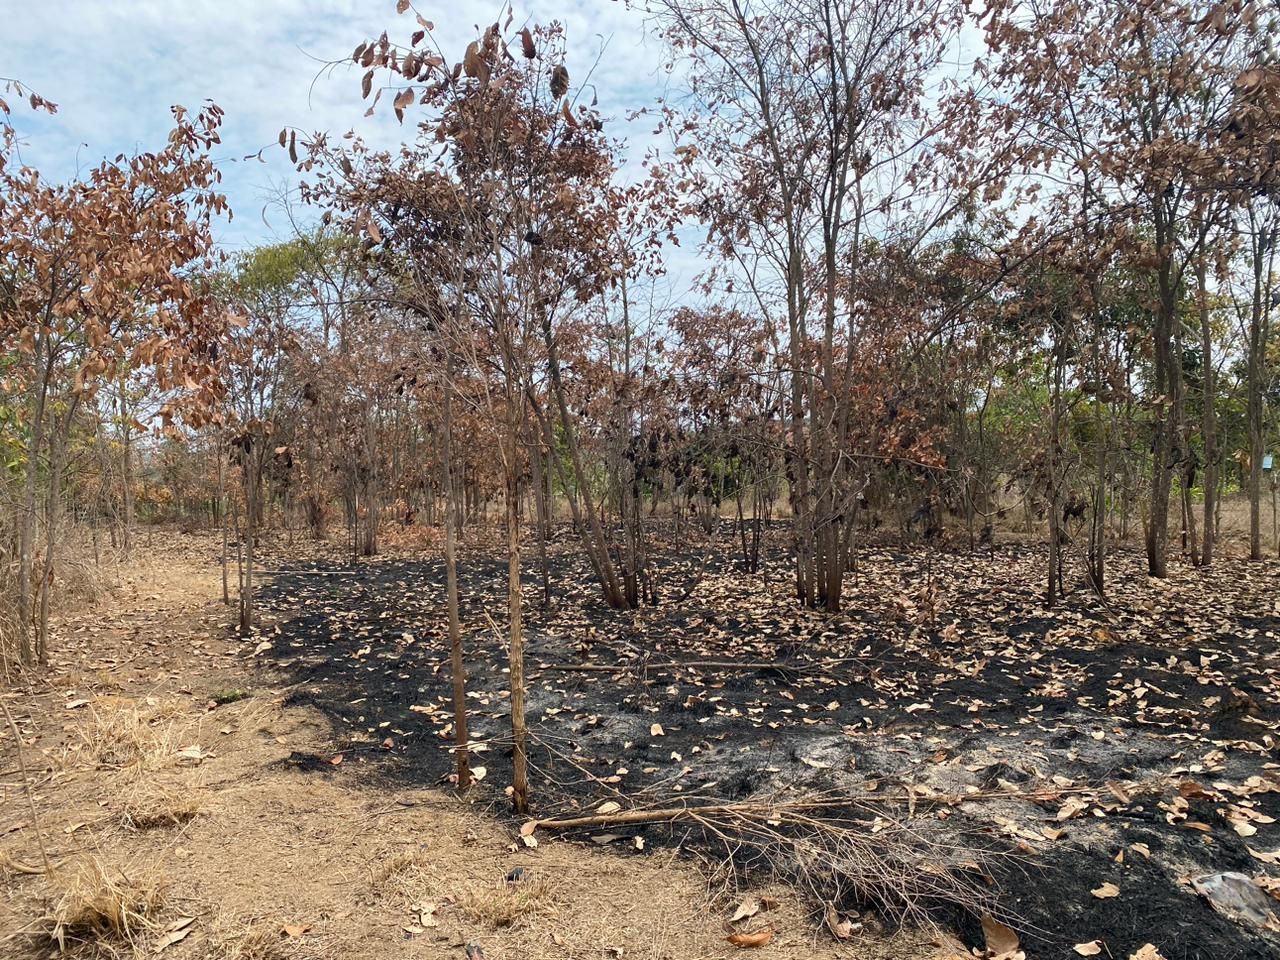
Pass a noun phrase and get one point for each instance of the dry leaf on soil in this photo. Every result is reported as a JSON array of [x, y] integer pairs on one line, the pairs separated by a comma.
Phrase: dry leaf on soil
[[1001, 940], [758, 939]]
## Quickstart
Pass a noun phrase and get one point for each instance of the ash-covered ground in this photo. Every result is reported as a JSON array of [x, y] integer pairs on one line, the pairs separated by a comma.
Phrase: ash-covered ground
[[1129, 745]]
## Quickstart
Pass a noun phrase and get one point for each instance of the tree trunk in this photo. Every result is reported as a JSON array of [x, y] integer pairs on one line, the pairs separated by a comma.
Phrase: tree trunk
[[1256, 371], [541, 512], [1208, 416], [221, 454], [57, 460], [126, 467], [250, 460], [519, 773], [457, 665], [1164, 419]]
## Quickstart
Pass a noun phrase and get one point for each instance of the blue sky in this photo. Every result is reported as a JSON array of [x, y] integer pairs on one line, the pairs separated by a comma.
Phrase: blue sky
[[114, 67]]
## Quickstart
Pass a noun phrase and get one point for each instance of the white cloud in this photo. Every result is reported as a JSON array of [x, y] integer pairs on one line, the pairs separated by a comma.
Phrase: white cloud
[[115, 68]]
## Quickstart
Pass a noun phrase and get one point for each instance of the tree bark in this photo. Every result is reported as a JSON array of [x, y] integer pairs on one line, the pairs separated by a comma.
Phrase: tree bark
[[457, 664]]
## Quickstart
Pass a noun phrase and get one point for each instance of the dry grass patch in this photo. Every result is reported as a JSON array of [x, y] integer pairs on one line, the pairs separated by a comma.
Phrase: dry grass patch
[[398, 872], [257, 941], [119, 733], [502, 904], [152, 806], [111, 910]]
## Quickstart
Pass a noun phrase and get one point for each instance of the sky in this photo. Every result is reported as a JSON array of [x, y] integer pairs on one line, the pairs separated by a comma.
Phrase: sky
[[114, 67]]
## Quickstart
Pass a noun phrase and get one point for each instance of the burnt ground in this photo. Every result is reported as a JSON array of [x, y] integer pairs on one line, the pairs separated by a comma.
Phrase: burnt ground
[[1131, 743]]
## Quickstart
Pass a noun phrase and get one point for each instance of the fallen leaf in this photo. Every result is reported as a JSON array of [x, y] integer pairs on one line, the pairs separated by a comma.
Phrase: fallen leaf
[[747, 908], [758, 939], [1106, 891], [657, 731], [1146, 952], [842, 928], [174, 933], [295, 929], [1001, 940], [195, 753], [609, 806], [1090, 949], [478, 773]]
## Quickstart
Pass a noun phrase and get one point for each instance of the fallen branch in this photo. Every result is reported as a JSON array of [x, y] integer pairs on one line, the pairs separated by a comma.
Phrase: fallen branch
[[672, 665], [26, 786], [905, 873], [779, 810]]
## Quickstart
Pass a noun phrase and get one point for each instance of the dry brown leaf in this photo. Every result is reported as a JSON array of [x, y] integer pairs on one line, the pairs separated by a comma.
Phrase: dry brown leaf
[[842, 928], [295, 929], [747, 908], [760, 938], [1090, 949], [175, 932], [1106, 891], [1147, 952], [1001, 940]]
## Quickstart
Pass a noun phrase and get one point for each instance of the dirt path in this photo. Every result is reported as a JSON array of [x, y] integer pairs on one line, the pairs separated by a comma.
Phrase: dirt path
[[186, 809]]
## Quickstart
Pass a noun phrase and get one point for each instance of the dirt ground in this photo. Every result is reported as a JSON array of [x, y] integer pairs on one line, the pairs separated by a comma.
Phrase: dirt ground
[[191, 804]]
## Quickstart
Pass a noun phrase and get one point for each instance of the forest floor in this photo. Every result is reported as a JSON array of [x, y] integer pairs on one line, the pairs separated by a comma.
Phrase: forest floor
[[193, 807], [1068, 771]]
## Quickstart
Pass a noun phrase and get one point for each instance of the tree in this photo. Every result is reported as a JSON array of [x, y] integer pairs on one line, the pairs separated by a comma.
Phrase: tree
[[814, 152], [95, 275]]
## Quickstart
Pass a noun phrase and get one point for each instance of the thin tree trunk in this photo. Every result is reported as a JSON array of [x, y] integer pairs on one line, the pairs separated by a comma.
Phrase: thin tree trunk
[[250, 539], [519, 772], [221, 454], [1208, 416], [457, 665], [541, 512]]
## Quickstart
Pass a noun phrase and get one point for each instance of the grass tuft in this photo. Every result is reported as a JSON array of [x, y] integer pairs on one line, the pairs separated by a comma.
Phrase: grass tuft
[[119, 734], [103, 908], [153, 807], [503, 904]]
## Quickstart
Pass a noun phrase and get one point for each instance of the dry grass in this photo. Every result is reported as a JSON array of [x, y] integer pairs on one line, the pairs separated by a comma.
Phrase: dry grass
[[119, 734], [501, 905], [399, 871], [257, 941], [113, 911], [11, 866], [150, 806]]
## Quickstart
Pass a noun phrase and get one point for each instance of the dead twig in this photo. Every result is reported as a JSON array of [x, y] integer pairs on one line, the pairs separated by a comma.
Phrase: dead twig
[[26, 787], [781, 810]]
